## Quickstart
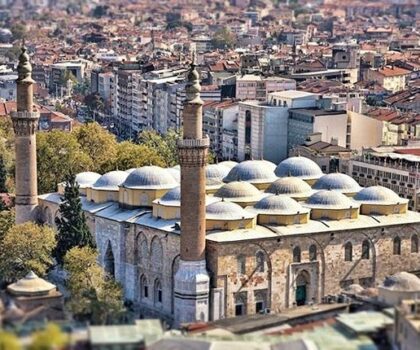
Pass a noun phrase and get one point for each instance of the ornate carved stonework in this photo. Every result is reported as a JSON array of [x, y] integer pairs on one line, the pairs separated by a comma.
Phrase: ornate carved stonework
[[25, 123], [193, 153]]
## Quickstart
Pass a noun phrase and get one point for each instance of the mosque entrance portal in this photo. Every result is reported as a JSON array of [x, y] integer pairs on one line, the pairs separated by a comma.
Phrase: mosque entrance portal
[[302, 284]]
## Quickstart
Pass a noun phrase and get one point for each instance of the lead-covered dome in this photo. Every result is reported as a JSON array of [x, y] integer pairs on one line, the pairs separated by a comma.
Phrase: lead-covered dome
[[379, 195], [228, 164], [301, 167], [110, 181], [279, 205], [150, 177], [239, 191], [337, 182], [215, 173], [225, 211], [176, 173], [402, 281], [326, 199], [172, 198], [253, 171], [291, 186], [87, 178]]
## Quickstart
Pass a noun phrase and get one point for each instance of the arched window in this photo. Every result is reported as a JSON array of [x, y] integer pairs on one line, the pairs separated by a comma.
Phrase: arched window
[[241, 265], [157, 254], [143, 251], [348, 252], [144, 287], [414, 244], [240, 304], [158, 292], [365, 249], [296, 254], [109, 261], [260, 262], [312, 252], [397, 246]]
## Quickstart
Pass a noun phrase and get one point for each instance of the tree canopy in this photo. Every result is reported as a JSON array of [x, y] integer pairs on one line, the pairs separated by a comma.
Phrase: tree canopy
[[51, 338], [131, 155], [224, 38], [8, 341], [164, 145]]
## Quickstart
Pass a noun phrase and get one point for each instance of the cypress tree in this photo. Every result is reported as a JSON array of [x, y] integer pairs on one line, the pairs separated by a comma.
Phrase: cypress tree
[[3, 176], [72, 227]]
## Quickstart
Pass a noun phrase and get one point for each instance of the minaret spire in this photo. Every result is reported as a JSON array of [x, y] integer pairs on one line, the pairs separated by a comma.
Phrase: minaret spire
[[192, 279], [25, 124]]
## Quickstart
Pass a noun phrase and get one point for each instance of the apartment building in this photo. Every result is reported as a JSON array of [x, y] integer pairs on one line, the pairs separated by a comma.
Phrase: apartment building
[[390, 78], [257, 87]]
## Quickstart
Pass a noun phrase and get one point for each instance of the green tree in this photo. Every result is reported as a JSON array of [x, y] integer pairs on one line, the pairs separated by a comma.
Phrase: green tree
[[58, 154], [3, 175], [73, 230], [131, 155], [224, 38], [8, 341], [51, 338], [19, 31], [165, 146], [94, 296], [7, 220], [99, 143], [26, 247]]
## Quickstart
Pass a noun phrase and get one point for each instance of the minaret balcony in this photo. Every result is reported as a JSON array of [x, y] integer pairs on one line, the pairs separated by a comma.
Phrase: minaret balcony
[[194, 143]]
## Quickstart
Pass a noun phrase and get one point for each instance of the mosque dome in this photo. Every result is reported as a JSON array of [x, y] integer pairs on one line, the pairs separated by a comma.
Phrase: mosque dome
[[227, 211], [215, 173], [172, 198], [31, 285], [337, 182], [291, 186], [254, 171], [150, 177], [87, 178], [176, 173], [354, 289], [379, 195], [326, 199], [301, 167], [402, 281], [279, 205], [239, 191], [229, 163], [130, 170], [110, 181]]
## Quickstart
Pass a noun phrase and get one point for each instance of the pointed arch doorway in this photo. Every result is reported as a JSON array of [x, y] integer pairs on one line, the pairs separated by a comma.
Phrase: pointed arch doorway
[[302, 288]]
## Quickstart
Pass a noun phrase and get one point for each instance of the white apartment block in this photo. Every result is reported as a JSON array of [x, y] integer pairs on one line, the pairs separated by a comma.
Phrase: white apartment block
[[256, 87]]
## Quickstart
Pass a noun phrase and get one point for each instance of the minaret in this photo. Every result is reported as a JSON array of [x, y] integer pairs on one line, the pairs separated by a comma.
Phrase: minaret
[[192, 279], [25, 123]]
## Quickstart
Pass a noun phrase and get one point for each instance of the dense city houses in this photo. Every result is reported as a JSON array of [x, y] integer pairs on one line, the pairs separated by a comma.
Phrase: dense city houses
[[306, 225]]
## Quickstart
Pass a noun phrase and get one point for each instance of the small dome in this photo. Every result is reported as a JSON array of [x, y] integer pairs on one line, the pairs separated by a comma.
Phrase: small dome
[[291, 186], [301, 167], [215, 173], [227, 211], [130, 170], [337, 182], [178, 167], [254, 171], [402, 281], [229, 164], [172, 198], [379, 195], [330, 200], [111, 180], [176, 173], [239, 191], [87, 178], [31, 284], [279, 205], [150, 177]]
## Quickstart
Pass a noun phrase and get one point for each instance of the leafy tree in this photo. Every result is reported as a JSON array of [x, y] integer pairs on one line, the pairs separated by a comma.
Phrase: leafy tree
[[66, 76], [58, 154], [51, 338], [26, 247], [7, 220], [94, 102], [8, 341], [73, 230], [224, 38], [19, 31], [94, 296], [13, 53], [3, 175], [165, 146], [99, 143], [131, 155]]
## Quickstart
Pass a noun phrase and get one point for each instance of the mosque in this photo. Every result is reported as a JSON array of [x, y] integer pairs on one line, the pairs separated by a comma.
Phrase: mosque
[[201, 242]]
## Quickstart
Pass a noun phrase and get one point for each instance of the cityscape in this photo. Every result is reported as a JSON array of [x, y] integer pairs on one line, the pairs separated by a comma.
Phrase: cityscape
[[208, 174]]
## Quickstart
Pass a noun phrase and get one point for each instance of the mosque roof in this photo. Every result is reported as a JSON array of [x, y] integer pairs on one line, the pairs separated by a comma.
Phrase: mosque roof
[[87, 178], [301, 167], [239, 191], [228, 163], [176, 173], [227, 211], [31, 285], [172, 198], [402, 281], [337, 182], [215, 173], [379, 195], [110, 181], [254, 171], [279, 205], [292, 186], [326, 199], [150, 177]]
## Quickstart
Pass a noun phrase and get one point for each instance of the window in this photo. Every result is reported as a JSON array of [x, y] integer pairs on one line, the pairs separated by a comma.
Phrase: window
[[348, 252], [241, 265], [240, 304], [397, 246], [260, 262], [365, 249], [247, 127], [260, 297], [158, 292], [296, 254], [312, 252], [414, 244], [144, 287]]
